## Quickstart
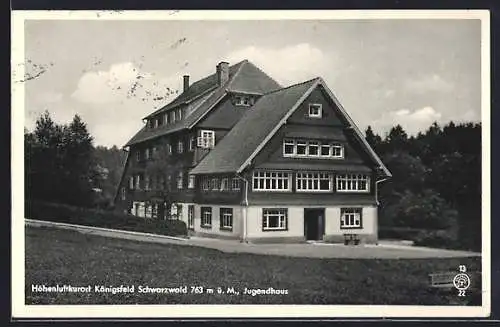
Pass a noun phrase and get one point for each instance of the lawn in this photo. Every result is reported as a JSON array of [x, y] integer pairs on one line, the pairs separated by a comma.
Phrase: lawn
[[67, 257]]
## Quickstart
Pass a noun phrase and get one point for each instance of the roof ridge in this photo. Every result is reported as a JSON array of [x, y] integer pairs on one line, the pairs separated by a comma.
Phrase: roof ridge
[[293, 85]]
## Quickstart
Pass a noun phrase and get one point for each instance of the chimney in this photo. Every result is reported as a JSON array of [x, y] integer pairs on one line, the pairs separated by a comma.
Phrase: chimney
[[186, 82], [222, 73]]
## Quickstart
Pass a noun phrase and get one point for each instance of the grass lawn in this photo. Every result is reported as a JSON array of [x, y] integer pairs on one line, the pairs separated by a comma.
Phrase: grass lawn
[[68, 257]]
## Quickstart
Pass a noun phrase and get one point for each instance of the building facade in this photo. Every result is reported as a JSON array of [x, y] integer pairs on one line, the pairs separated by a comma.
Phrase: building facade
[[236, 155]]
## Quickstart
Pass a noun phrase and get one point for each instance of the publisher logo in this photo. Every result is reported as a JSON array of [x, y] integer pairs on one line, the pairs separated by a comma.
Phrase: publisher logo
[[461, 281]]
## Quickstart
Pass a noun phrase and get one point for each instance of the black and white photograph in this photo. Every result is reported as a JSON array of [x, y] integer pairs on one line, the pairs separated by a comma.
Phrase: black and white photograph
[[232, 164]]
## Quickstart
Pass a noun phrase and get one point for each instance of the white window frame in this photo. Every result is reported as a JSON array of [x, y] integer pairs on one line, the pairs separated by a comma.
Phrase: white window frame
[[172, 116], [191, 216], [205, 216], [205, 184], [138, 155], [180, 180], [313, 114], [206, 139], [192, 144], [165, 118], [214, 184], [235, 184], [281, 213], [332, 154], [225, 215], [224, 184], [351, 182], [156, 122], [275, 178], [180, 147], [138, 182], [131, 183], [191, 181], [148, 153], [310, 179], [179, 114], [169, 148], [351, 218]]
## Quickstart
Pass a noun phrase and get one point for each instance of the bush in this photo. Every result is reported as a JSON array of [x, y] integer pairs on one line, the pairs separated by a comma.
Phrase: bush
[[436, 239], [398, 233], [101, 218]]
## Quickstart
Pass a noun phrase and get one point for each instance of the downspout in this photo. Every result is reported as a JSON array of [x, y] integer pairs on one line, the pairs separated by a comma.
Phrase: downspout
[[245, 209], [376, 189]]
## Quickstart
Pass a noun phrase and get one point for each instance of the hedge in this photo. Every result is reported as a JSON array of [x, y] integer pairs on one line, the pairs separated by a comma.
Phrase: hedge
[[398, 233], [101, 218]]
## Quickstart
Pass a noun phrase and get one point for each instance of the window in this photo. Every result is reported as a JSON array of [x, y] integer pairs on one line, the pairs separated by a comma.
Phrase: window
[[191, 181], [191, 216], [166, 118], [224, 185], [153, 182], [312, 149], [235, 184], [179, 114], [169, 148], [350, 218], [151, 123], [214, 184], [169, 182], [274, 219], [192, 143], [172, 117], [315, 110], [226, 218], [314, 182], [148, 153], [146, 183], [162, 183], [271, 181], [205, 184], [206, 217], [180, 180], [206, 139], [154, 151], [242, 100], [138, 155], [353, 183], [288, 147], [123, 193], [138, 182], [131, 183], [157, 122], [180, 147], [154, 210]]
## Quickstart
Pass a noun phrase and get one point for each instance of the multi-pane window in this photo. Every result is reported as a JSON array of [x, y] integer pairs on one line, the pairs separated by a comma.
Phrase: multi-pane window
[[350, 218], [131, 183], [205, 184], [206, 217], [191, 216], [206, 139], [226, 218], [191, 181], [214, 184], [235, 184], [353, 183], [315, 110], [312, 149], [271, 181], [180, 147], [224, 185], [274, 219], [314, 182], [180, 180], [192, 143]]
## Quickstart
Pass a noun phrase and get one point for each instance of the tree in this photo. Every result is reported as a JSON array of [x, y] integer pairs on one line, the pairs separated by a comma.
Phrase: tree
[[373, 139], [397, 139]]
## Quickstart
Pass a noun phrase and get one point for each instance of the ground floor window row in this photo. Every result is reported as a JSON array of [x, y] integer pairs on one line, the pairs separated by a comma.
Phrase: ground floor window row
[[309, 182], [273, 219], [156, 210]]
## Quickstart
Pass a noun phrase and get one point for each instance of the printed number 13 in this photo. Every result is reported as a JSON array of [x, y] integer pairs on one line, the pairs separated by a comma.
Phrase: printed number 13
[[462, 268]]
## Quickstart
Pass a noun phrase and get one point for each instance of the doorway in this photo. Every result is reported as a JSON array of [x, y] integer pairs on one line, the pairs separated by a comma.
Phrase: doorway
[[314, 223]]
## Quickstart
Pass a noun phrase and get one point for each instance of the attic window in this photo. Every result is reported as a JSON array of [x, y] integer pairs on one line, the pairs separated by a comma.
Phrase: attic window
[[243, 100], [315, 110]]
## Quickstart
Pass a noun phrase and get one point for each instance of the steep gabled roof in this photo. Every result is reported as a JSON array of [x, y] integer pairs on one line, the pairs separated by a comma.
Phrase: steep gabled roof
[[245, 140], [204, 94], [251, 130]]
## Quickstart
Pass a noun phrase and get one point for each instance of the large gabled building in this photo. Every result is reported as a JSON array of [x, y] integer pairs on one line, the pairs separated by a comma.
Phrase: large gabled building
[[242, 157]]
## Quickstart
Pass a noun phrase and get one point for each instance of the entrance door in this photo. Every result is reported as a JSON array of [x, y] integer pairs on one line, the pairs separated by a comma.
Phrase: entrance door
[[314, 223]]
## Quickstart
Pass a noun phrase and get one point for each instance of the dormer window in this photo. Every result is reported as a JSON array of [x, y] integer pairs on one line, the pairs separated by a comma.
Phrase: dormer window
[[206, 139], [151, 123], [243, 100], [315, 110]]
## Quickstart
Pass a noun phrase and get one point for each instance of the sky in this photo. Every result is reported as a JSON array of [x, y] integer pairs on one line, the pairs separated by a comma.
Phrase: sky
[[384, 72]]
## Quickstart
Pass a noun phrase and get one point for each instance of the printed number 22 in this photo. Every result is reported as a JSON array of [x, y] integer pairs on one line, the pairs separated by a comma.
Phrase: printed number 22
[[461, 292]]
